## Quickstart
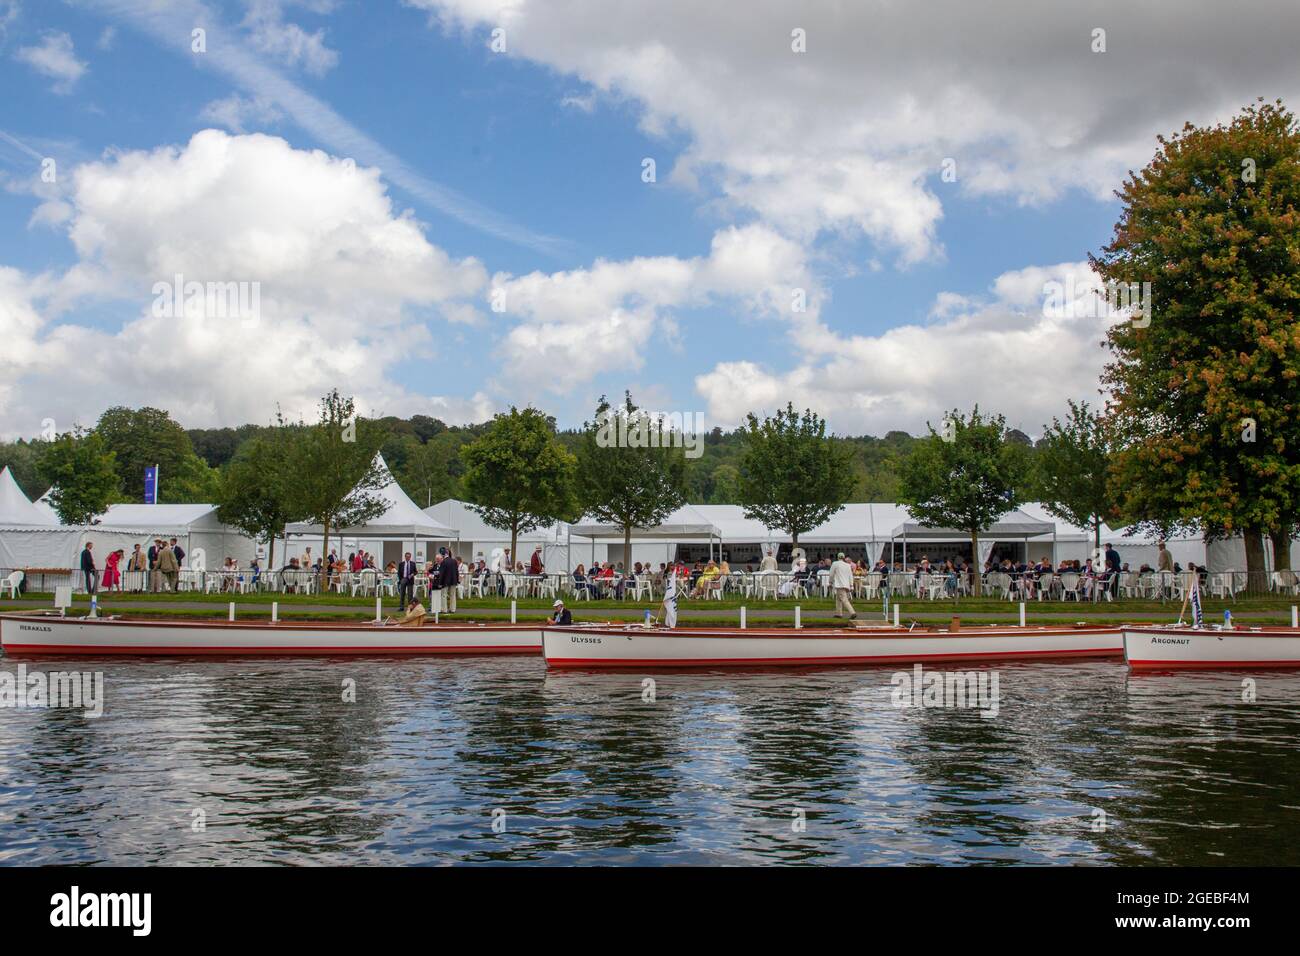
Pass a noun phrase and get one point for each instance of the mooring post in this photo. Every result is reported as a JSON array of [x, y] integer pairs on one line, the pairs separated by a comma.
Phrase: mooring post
[[513, 616], [275, 611], [798, 623], [379, 608], [896, 615], [1022, 613], [1295, 616], [742, 617], [232, 610]]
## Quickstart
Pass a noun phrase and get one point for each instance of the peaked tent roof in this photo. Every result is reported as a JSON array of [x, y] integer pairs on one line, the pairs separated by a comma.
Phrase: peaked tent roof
[[16, 508], [402, 517]]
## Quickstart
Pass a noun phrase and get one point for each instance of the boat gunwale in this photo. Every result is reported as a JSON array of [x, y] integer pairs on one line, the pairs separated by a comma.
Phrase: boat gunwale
[[836, 633], [369, 627]]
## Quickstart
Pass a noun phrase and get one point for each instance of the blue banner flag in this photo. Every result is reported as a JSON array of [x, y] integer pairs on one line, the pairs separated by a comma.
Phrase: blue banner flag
[[151, 485]]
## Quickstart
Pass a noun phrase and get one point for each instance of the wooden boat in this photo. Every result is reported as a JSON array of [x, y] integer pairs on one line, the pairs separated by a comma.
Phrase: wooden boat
[[1180, 648], [54, 635], [594, 647]]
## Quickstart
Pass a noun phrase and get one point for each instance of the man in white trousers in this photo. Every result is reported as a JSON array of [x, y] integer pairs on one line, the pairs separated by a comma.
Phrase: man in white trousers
[[842, 584]]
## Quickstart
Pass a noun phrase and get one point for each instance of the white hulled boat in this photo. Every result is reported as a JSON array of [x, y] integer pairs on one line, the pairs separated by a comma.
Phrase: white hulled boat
[[1178, 648], [55, 635], [636, 646]]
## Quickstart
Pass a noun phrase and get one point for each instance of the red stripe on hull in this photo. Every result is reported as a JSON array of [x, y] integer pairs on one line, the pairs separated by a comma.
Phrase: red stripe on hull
[[53, 650], [1208, 665], [590, 662]]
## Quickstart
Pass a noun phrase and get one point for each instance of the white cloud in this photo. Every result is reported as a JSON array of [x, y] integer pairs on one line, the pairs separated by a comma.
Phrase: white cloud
[[237, 113], [850, 136], [584, 322], [1006, 351], [170, 24], [347, 288], [54, 57], [287, 42]]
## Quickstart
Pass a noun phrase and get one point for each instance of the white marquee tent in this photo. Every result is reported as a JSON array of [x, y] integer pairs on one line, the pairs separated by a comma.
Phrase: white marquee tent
[[401, 527]]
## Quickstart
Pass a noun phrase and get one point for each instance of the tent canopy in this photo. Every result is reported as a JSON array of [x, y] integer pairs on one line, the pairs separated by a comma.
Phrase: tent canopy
[[402, 519], [16, 508], [470, 525], [1013, 524], [685, 522]]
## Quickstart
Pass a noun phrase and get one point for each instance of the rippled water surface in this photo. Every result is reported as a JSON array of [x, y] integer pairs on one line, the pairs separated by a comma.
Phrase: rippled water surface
[[1082, 764]]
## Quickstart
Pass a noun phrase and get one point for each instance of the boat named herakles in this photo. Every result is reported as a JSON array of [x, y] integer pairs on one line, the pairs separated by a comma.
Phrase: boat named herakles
[[1189, 648], [55, 635], [641, 647]]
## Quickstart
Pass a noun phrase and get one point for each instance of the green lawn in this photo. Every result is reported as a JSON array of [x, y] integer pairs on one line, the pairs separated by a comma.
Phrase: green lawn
[[1256, 610]]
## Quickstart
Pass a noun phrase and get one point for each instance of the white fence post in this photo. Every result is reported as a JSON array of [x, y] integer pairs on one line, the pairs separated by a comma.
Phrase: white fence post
[[275, 611], [742, 617], [232, 611], [896, 615], [798, 622], [1022, 613], [514, 619]]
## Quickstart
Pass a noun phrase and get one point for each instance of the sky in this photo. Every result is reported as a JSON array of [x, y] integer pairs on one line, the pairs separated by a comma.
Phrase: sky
[[449, 207]]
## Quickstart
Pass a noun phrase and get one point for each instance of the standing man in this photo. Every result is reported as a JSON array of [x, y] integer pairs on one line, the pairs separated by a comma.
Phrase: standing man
[[842, 584], [769, 561], [155, 576], [406, 581], [449, 580], [1112, 569], [535, 562], [138, 567], [169, 568], [88, 569], [179, 552], [1165, 560]]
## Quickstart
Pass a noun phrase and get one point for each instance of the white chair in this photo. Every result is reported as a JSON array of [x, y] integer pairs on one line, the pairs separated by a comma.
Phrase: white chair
[[643, 589], [12, 582], [1070, 585], [365, 582], [1283, 582], [767, 583], [869, 585]]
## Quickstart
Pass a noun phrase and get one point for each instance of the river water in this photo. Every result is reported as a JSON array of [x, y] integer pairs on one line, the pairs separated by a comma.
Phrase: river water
[[498, 761]]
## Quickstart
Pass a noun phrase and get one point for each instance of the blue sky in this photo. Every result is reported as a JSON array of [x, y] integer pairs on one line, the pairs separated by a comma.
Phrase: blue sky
[[522, 170]]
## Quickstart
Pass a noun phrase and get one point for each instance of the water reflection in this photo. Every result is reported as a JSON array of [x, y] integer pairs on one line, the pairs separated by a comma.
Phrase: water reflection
[[796, 767]]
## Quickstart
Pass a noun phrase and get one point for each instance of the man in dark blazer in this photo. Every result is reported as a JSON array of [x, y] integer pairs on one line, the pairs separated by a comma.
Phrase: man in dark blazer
[[405, 581], [88, 569], [449, 581]]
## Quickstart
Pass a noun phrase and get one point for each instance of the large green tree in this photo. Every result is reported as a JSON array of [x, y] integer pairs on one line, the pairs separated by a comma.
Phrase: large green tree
[[1073, 469], [629, 484], [518, 477], [142, 437], [82, 475], [965, 478], [792, 475], [256, 491], [334, 469], [1206, 388]]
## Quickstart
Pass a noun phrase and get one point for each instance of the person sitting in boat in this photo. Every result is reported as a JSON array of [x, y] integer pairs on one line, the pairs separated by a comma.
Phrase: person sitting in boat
[[560, 614], [414, 617]]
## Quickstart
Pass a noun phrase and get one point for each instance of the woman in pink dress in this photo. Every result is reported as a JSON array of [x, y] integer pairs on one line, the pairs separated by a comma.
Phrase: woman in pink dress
[[113, 577]]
